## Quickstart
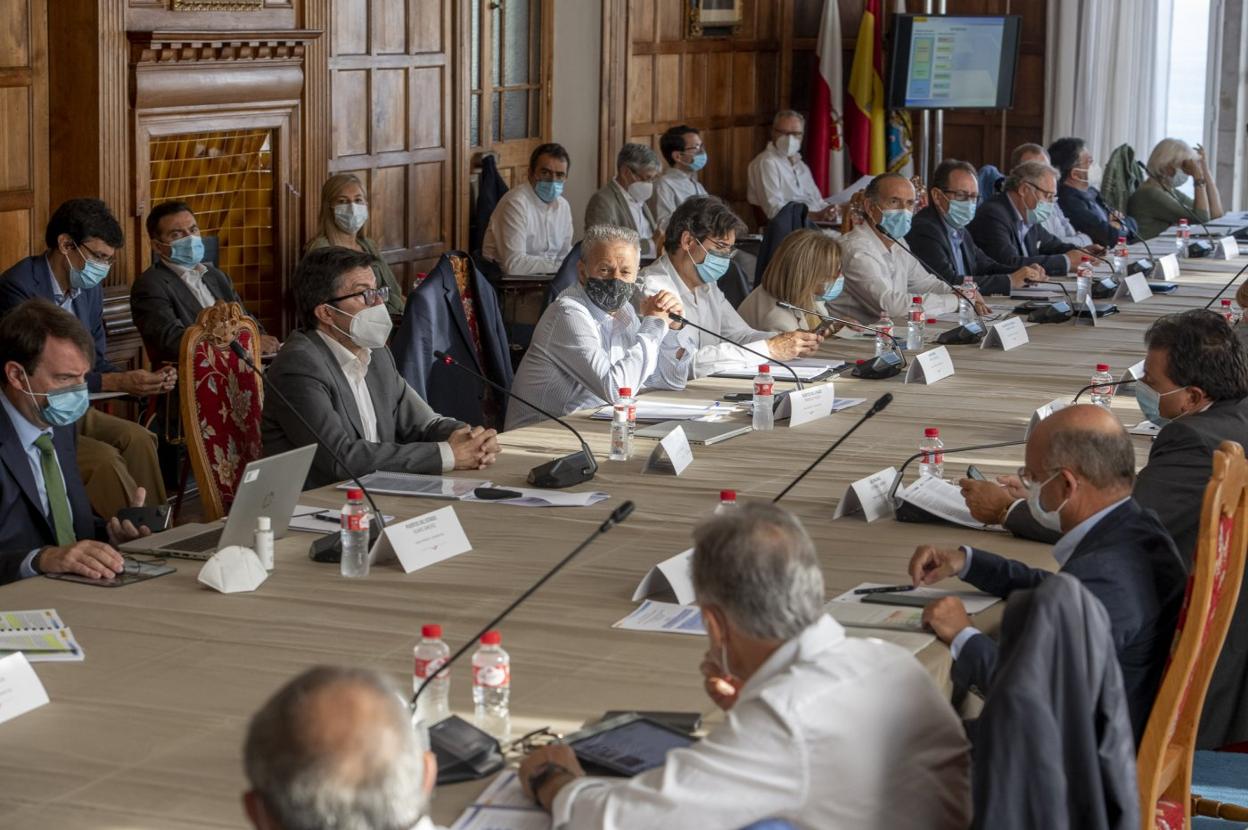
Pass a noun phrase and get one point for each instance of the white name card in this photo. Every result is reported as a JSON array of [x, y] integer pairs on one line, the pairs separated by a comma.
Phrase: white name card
[[422, 541], [868, 496], [1134, 286], [20, 689], [1133, 373], [810, 404], [1090, 307], [1007, 334], [672, 455], [930, 366], [669, 575], [1044, 412], [1168, 268], [1226, 247]]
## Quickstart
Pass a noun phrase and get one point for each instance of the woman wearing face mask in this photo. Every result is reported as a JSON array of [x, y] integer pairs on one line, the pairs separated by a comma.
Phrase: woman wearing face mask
[[1157, 204], [344, 213], [806, 272]]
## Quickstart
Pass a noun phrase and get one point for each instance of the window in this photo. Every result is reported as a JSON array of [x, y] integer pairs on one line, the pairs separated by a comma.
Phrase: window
[[1189, 67], [506, 72]]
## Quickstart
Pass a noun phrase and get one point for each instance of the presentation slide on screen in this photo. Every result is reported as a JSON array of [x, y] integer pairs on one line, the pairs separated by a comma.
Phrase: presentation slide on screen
[[954, 62]]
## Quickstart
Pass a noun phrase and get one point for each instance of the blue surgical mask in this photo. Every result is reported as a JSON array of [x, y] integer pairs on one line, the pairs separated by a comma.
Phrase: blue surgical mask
[[1040, 214], [712, 267], [62, 407], [91, 275], [961, 213], [833, 290], [1052, 519], [1149, 400], [187, 251], [896, 223], [548, 191], [697, 162]]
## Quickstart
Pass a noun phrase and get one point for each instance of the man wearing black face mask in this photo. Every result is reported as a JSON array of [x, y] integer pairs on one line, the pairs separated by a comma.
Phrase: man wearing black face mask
[[590, 343]]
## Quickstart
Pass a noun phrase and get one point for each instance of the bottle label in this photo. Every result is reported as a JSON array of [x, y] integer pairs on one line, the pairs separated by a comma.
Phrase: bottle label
[[761, 388], [355, 521], [492, 677], [885, 330], [428, 668], [632, 413], [930, 457], [916, 315]]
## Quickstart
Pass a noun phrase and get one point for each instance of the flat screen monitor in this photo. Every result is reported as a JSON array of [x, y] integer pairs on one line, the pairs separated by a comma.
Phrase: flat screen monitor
[[953, 62]]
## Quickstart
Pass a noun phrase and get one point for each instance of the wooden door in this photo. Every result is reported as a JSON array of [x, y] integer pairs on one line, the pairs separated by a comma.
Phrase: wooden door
[[24, 136]]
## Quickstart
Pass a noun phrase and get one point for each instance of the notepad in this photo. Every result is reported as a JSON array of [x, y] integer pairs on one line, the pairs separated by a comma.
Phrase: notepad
[[41, 635]]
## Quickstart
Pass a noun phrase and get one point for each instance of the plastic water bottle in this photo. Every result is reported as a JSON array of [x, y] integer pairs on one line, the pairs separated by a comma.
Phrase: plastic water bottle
[[966, 311], [727, 502], [1181, 239], [354, 534], [932, 461], [491, 686], [1228, 311], [632, 416], [884, 334], [764, 386], [1121, 254], [1083, 281], [431, 654], [1102, 395], [916, 325], [621, 435]]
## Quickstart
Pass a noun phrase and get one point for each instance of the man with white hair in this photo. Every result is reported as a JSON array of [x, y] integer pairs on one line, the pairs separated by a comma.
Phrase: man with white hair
[[1157, 204], [622, 202], [590, 343], [335, 748], [822, 730], [778, 175], [1009, 227], [1057, 224]]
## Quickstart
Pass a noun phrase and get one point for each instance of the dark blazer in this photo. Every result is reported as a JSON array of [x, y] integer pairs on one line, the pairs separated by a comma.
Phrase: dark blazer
[[32, 278], [434, 321], [929, 241], [995, 230], [308, 374], [567, 276], [1128, 562], [25, 526], [792, 217], [1089, 214], [490, 188], [162, 307]]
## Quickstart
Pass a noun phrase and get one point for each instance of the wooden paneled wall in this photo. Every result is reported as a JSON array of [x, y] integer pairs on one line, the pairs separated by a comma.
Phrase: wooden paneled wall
[[23, 128]]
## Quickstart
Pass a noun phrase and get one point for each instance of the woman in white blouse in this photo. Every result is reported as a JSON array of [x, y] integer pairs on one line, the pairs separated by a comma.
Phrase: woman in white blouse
[[805, 271]]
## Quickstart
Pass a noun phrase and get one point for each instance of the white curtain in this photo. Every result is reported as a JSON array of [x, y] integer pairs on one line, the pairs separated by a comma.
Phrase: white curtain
[[1106, 65]]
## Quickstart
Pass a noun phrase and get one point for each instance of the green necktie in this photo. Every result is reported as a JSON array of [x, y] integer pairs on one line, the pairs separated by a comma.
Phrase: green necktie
[[54, 485]]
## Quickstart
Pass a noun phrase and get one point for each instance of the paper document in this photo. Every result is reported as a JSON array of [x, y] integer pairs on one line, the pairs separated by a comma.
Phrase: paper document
[[503, 806], [530, 497], [652, 412], [911, 641], [44, 619], [663, 616], [996, 312], [846, 194], [846, 403], [806, 369], [57, 646], [857, 615], [942, 499], [320, 519], [413, 484], [975, 601]]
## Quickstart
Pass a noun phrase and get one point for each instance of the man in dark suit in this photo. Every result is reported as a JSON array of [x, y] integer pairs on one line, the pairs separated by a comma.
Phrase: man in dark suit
[[938, 235], [168, 296], [336, 370], [1008, 227], [48, 524], [1078, 179], [1080, 466]]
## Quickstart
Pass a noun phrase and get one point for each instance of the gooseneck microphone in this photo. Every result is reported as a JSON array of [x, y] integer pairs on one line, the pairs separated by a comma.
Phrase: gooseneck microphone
[[892, 339], [571, 469], [879, 405], [1092, 386], [684, 321], [1222, 290]]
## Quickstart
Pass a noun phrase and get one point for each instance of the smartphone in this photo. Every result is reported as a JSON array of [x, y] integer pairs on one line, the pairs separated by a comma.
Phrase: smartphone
[[899, 598], [973, 472]]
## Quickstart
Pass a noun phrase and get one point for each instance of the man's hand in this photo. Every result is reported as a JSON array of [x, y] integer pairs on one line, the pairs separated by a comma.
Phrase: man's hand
[[472, 447], [269, 344], [946, 617], [1073, 258], [987, 502], [140, 382], [793, 344], [1013, 485], [1028, 273], [85, 558], [553, 755], [121, 532], [660, 304], [721, 687], [830, 215], [1093, 250], [931, 564]]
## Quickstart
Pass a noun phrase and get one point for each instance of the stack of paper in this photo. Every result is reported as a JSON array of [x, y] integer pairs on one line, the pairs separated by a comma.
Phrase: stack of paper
[[663, 616], [653, 412], [807, 369], [975, 601], [503, 806], [943, 500], [41, 635], [546, 498], [413, 484]]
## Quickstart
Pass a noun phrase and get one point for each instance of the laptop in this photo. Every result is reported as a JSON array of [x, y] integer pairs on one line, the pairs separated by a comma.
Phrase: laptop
[[705, 433], [268, 487]]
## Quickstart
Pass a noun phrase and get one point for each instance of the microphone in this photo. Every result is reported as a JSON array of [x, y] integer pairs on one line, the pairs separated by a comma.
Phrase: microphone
[[892, 339], [1051, 312], [906, 512], [329, 547], [676, 318], [464, 752], [1222, 290], [883, 401], [1092, 386], [562, 472]]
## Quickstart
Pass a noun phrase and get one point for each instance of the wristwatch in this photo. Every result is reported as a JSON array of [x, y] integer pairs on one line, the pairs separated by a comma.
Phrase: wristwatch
[[1198, 182], [542, 777]]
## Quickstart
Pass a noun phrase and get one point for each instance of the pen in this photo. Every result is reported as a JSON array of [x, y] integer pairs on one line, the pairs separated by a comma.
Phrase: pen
[[884, 589]]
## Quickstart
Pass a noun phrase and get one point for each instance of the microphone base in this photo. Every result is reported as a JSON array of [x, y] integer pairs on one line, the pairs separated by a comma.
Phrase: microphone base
[[464, 752], [877, 369], [962, 335], [904, 511], [1058, 312], [328, 548], [1143, 265], [572, 469], [1196, 250], [1104, 288]]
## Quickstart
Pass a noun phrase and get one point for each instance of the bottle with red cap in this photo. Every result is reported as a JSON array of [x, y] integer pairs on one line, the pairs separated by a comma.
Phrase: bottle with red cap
[[764, 399], [430, 655], [1182, 239], [1228, 311], [1102, 395], [915, 325], [491, 686], [932, 461], [1083, 280], [727, 502], [354, 534], [1121, 254], [624, 410]]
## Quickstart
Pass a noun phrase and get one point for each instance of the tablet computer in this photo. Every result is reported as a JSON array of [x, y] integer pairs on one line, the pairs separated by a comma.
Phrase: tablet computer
[[626, 745]]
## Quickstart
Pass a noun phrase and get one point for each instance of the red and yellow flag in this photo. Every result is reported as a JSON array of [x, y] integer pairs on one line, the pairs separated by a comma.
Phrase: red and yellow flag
[[865, 115]]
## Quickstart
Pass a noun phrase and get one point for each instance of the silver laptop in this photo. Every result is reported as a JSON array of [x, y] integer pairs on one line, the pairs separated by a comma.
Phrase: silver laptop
[[268, 487], [705, 433]]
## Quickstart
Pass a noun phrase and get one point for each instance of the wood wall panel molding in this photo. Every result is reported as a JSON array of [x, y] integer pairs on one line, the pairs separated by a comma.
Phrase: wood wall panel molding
[[316, 113], [24, 138]]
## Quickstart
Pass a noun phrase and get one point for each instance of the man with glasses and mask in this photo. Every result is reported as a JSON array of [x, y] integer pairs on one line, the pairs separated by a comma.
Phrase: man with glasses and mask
[[530, 232], [1009, 227], [623, 201], [590, 343], [699, 247], [116, 457], [778, 175], [48, 523], [1079, 178], [685, 154], [939, 237], [336, 370], [1080, 467]]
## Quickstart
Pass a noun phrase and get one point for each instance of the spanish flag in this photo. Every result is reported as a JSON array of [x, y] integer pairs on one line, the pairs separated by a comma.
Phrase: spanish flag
[[865, 115]]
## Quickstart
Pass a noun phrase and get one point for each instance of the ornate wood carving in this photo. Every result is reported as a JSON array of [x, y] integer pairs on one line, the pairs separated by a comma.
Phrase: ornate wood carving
[[218, 5], [187, 47]]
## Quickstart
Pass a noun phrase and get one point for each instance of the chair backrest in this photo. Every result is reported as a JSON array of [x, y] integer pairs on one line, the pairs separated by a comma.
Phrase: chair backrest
[[564, 277], [988, 177], [793, 216], [1164, 762], [851, 215], [221, 400]]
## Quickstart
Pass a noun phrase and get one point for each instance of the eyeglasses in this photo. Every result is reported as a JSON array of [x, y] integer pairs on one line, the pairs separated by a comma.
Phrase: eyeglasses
[[1028, 482], [536, 739], [960, 195], [96, 256], [372, 296], [1049, 195], [714, 246]]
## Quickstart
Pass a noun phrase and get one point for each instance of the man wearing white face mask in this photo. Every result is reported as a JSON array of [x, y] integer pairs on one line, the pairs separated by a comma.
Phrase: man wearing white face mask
[[778, 175], [336, 370], [623, 202], [1009, 227], [1079, 196], [1080, 466]]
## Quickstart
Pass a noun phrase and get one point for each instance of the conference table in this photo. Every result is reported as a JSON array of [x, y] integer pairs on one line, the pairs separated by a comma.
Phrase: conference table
[[147, 731]]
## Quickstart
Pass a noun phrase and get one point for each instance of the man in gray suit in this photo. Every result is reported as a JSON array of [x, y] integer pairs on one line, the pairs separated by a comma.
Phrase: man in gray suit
[[336, 370], [623, 202]]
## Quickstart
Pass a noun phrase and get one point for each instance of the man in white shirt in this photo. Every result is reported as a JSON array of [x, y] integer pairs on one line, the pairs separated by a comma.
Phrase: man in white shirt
[[1057, 223], [685, 154], [335, 747], [823, 730], [622, 202], [778, 175], [698, 250], [530, 232], [590, 342]]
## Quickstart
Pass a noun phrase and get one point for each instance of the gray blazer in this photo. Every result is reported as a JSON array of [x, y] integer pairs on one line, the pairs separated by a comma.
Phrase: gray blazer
[[307, 373], [609, 207], [162, 307]]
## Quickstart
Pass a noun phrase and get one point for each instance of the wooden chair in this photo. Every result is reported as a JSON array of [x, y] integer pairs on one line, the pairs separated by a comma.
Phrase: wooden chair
[[1164, 762], [221, 401]]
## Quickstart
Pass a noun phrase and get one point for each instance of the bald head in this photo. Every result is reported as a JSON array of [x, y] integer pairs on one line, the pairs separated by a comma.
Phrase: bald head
[[1089, 442]]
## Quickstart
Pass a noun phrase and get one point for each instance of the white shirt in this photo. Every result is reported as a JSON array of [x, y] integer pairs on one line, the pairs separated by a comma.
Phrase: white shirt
[[671, 190], [884, 279], [831, 732], [193, 278], [640, 221], [775, 180], [707, 306], [355, 368], [526, 235], [1060, 226], [580, 356]]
